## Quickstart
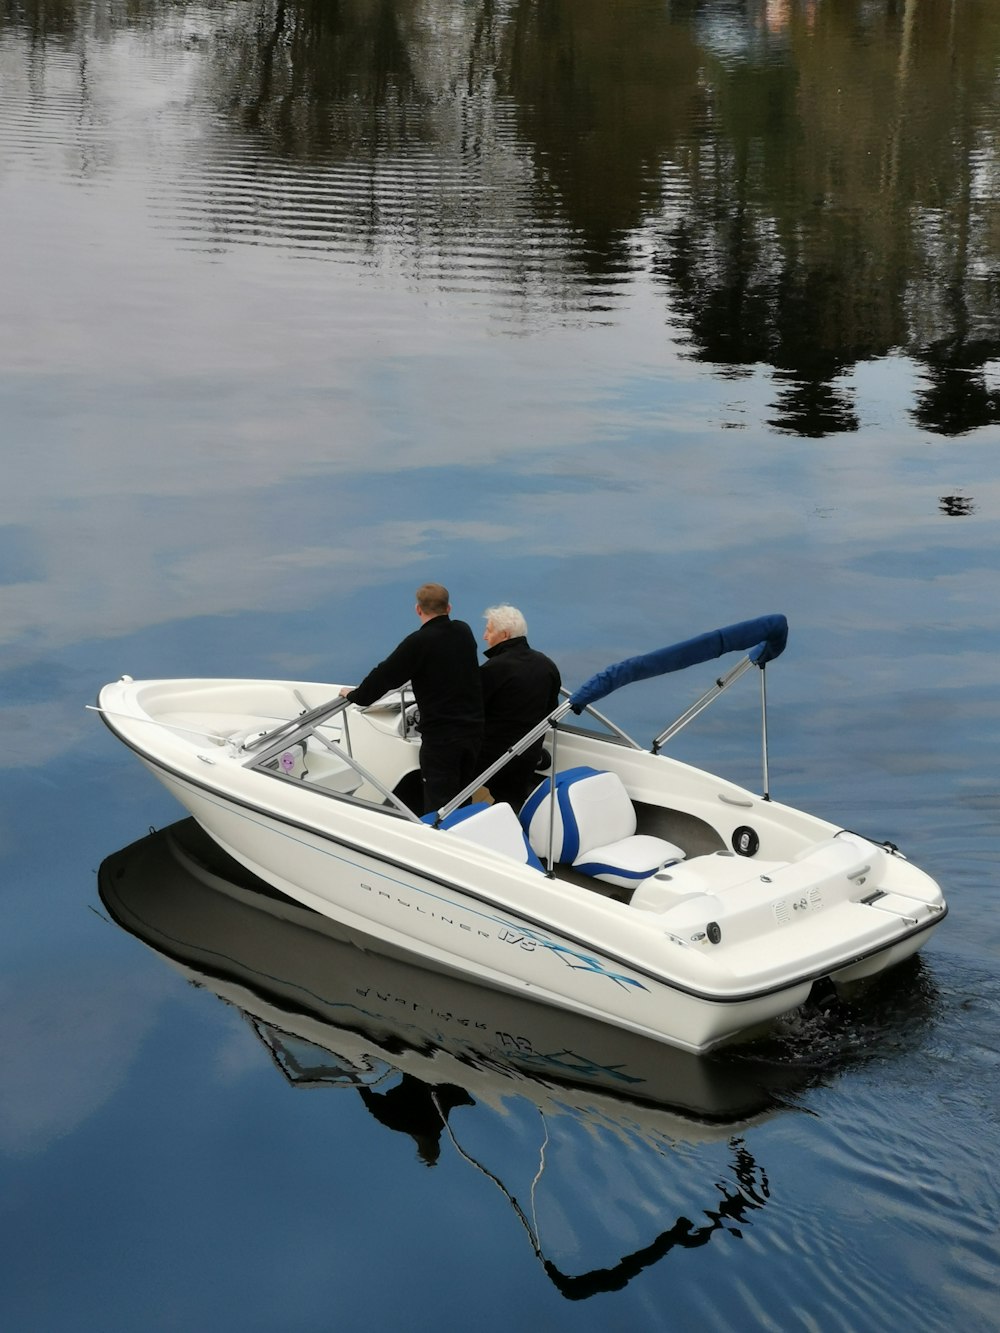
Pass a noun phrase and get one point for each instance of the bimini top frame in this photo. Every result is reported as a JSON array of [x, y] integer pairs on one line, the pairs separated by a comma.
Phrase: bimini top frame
[[764, 638]]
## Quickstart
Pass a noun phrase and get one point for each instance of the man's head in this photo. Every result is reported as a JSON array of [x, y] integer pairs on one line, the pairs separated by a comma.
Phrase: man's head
[[432, 600], [503, 622]]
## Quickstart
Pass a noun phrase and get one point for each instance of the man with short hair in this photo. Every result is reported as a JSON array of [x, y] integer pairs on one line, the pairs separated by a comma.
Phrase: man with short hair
[[520, 688], [440, 661]]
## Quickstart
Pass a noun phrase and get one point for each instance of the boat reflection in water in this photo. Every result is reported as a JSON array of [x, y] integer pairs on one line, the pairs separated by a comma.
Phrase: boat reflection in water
[[417, 1046]]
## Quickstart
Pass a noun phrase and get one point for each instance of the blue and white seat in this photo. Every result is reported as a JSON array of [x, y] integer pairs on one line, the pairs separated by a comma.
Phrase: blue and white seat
[[494, 826], [594, 828]]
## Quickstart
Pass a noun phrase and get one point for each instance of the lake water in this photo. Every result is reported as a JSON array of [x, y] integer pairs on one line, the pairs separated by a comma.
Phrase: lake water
[[645, 317]]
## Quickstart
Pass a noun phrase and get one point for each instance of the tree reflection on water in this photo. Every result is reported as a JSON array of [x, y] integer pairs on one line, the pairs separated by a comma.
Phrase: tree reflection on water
[[810, 185]]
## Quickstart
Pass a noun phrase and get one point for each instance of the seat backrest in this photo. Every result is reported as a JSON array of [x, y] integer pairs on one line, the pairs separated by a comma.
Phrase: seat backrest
[[493, 826], [592, 809]]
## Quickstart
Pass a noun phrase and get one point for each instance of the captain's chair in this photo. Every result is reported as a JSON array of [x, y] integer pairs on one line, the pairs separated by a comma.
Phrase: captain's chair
[[593, 828]]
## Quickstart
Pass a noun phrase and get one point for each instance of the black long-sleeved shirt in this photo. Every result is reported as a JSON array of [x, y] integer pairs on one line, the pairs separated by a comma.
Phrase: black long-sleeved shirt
[[520, 687], [441, 661]]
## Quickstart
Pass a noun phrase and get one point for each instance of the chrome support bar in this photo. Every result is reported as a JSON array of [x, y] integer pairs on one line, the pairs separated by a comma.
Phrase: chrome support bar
[[519, 747], [550, 859], [699, 706], [341, 753], [606, 721], [763, 728]]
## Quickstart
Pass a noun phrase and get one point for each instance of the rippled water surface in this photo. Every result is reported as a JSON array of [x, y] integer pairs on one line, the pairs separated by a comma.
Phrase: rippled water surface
[[647, 318]]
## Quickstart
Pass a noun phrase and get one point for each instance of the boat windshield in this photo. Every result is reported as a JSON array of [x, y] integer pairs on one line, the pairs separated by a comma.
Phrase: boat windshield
[[316, 748]]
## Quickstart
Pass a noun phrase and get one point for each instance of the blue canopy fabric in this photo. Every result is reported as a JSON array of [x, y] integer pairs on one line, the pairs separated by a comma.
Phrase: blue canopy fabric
[[763, 638]]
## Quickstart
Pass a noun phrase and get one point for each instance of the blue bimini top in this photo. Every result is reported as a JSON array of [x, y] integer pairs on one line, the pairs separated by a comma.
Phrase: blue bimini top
[[764, 638]]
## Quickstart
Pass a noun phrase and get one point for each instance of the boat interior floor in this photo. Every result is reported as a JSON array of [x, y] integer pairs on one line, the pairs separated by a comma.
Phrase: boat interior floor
[[687, 831]]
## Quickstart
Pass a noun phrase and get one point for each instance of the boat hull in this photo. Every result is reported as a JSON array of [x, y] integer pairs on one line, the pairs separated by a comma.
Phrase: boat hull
[[301, 973], [419, 893], [394, 910]]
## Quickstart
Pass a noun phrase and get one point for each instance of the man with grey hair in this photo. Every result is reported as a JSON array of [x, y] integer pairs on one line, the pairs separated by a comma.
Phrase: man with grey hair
[[520, 688]]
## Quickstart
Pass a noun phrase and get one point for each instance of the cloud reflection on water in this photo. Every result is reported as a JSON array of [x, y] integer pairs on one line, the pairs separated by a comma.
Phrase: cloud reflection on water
[[66, 1045]]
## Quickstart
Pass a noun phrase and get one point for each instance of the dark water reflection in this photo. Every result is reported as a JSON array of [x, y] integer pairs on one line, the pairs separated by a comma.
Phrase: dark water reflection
[[811, 186]]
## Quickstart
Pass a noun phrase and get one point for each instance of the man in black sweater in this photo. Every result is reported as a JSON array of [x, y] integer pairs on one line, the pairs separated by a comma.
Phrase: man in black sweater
[[520, 687], [440, 661]]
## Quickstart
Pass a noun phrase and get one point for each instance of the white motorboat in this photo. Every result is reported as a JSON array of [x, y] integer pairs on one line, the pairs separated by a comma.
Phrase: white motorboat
[[633, 889]]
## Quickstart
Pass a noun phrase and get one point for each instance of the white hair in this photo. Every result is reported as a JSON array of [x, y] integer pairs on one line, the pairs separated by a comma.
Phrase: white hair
[[507, 618]]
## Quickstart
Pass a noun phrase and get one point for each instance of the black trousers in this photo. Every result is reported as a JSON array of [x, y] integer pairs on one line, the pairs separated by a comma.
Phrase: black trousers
[[447, 764]]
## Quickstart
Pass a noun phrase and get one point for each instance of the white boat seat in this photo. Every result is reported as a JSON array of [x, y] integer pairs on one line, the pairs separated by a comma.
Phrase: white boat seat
[[593, 828], [493, 826]]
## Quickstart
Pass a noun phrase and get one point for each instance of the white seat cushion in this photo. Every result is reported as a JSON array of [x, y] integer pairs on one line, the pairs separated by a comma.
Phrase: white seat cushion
[[628, 862], [493, 826]]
